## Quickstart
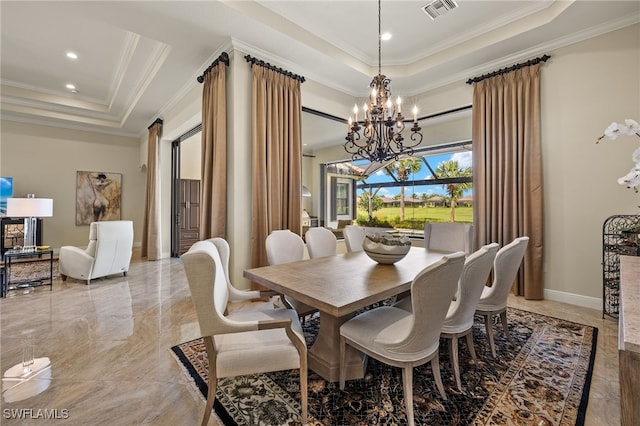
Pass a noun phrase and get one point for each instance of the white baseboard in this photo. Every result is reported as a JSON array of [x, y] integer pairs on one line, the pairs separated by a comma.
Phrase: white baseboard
[[573, 299]]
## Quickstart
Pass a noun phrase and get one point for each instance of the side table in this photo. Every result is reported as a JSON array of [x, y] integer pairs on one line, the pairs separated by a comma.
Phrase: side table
[[10, 256]]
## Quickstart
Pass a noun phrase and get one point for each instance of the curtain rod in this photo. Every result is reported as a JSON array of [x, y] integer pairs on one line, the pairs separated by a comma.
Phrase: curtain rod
[[224, 57], [530, 62], [158, 121], [261, 63]]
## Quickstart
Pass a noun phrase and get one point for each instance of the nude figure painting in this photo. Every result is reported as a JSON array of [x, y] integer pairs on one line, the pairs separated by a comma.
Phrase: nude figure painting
[[98, 197]]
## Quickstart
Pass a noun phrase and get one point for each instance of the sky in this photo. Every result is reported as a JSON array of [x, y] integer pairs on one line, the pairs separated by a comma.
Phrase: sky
[[463, 159]]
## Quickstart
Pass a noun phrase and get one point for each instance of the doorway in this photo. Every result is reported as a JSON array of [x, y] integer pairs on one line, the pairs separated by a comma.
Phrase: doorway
[[185, 190]]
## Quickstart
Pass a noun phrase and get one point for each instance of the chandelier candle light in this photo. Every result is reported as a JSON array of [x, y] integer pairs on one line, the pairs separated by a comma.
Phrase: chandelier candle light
[[382, 121]]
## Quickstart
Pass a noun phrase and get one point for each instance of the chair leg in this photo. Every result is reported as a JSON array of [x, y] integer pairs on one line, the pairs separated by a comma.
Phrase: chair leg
[[213, 380], [472, 349], [454, 361], [343, 361], [489, 327], [505, 326], [407, 385], [435, 366]]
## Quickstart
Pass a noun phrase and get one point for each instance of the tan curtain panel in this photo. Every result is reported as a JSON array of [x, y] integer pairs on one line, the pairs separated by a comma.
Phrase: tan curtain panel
[[213, 215], [151, 241], [507, 168], [277, 158]]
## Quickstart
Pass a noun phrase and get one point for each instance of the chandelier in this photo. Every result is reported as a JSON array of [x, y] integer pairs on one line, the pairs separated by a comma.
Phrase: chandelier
[[382, 123]]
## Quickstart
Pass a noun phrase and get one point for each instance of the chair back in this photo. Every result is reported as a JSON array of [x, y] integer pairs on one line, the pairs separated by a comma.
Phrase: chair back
[[321, 242], [505, 268], [111, 244], [224, 252], [208, 286], [354, 237], [474, 276], [431, 293], [449, 237], [284, 246]]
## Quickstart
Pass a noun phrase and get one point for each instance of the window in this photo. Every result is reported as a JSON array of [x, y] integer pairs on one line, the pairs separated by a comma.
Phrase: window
[[341, 198], [435, 185]]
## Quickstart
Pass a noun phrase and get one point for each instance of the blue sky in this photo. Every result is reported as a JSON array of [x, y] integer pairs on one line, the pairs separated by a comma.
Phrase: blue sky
[[463, 159]]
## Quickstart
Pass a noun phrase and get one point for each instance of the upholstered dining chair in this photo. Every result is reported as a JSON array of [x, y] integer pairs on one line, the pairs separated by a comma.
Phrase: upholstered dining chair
[[245, 341], [448, 236], [321, 242], [407, 339], [493, 300], [459, 320], [354, 237], [284, 246], [108, 253]]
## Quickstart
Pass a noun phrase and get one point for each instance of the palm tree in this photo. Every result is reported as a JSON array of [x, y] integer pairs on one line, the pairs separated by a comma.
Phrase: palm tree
[[401, 170], [451, 169]]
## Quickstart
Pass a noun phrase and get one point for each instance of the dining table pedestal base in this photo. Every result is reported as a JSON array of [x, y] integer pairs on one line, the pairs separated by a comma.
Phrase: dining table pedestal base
[[324, 355]]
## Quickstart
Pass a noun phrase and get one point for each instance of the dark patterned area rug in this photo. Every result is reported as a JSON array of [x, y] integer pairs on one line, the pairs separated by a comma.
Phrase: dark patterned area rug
[[541, 377]]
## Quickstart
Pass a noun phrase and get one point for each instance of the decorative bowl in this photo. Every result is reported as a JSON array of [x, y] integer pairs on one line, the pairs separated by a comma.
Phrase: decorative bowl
[[385, 248]]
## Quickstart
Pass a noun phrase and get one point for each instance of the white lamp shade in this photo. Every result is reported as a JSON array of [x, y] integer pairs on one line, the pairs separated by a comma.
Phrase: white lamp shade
[[29, 207]]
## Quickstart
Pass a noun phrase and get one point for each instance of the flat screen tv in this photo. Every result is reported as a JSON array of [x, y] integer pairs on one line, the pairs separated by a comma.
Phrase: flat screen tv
[[6, 191]]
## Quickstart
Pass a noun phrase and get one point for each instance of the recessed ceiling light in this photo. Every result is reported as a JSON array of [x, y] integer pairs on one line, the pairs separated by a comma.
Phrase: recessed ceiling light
[[385, 36], [72, 55], [70, 86]]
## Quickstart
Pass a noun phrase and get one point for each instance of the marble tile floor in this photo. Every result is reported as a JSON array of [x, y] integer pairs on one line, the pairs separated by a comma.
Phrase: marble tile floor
[[109, 348]]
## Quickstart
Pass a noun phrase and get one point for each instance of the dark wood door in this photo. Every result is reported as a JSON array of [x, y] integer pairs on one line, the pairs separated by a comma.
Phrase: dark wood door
[[189, 213]]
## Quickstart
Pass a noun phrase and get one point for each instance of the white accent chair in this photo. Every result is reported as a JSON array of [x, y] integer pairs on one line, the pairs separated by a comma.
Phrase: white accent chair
[[245, 341], [407, 339], [109, 252], [284, 246], [354, 237], [321, 242], [448, 237], [459, 320], [493, 300]]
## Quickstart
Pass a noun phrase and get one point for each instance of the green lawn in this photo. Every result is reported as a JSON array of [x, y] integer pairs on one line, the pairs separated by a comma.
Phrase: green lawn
[[421, 214]]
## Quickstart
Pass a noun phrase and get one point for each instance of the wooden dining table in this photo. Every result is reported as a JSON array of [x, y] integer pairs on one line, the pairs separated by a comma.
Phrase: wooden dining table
[[338, 286]]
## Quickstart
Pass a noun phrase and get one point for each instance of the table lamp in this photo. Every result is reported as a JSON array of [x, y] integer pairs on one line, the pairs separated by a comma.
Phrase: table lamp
[[30, 209]]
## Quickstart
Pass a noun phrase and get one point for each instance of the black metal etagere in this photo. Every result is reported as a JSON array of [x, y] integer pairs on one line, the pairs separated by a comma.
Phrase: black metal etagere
[[619, 237]]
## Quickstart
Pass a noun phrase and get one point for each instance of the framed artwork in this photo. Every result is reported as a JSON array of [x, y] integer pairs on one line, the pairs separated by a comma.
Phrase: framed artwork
[[98, 197]]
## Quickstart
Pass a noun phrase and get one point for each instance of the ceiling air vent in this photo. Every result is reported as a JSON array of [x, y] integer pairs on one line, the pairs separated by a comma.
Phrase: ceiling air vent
[[439, 7]]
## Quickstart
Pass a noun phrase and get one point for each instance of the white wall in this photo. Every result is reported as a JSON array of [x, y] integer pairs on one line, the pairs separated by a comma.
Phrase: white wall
[[190, 157], [585, 87], [44, 160]]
